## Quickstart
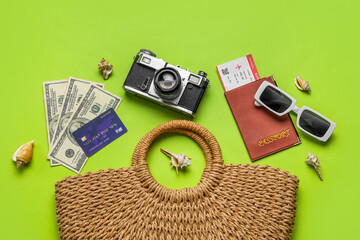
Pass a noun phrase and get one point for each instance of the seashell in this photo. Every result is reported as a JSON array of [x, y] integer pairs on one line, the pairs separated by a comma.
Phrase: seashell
[[106, 68], [177, 161], [302, 84], [314, 161], [23, 154]]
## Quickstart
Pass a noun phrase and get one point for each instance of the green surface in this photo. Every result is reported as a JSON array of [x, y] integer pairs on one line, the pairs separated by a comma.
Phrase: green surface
[[51, 40]]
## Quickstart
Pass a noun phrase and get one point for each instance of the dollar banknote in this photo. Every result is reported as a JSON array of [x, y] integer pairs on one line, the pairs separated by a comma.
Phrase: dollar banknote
[[66, 150], [74, 92], [53, 100]]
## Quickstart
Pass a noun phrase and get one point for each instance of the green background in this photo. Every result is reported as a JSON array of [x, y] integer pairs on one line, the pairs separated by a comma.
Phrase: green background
[[51, 40]]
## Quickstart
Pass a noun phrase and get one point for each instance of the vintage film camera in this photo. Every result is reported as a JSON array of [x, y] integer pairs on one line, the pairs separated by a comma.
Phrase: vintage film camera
[[169, 85]]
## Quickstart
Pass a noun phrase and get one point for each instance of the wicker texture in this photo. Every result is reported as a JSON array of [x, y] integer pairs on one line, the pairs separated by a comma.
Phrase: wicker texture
[[230, 201]]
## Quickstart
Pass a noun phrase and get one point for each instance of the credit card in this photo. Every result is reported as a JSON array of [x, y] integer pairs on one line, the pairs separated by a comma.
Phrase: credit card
[[238, 72], [99, 132]]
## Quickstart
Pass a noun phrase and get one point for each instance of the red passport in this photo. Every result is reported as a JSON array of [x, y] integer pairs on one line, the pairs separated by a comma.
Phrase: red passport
[[263, 132]]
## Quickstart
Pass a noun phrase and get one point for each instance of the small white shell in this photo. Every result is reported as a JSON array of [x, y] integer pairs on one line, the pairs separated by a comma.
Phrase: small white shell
[[177, 161], [314, 161], [302, 84]]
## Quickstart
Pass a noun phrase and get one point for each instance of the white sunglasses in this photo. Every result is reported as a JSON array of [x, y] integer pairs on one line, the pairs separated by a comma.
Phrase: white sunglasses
[[280, 103]]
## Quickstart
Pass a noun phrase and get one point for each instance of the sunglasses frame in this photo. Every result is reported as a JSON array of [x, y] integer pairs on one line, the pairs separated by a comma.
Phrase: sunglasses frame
[[295, 109]]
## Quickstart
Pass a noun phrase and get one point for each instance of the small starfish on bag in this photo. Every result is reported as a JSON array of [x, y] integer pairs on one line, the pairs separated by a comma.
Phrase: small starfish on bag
[[177, 161]]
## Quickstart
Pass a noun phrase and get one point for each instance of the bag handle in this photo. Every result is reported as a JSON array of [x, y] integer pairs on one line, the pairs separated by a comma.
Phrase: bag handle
[[197, 132], [212, 173]]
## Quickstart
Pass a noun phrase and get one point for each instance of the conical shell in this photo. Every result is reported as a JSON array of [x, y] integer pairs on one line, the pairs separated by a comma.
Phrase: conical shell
[[177, 161], [314, 161], [302, 84], [23, 154]]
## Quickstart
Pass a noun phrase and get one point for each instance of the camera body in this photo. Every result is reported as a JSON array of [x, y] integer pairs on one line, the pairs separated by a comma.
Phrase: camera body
[[166, 84]]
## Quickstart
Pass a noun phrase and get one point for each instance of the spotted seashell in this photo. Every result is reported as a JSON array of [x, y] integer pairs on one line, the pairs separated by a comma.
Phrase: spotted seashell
[[106, 68], [302, 84]]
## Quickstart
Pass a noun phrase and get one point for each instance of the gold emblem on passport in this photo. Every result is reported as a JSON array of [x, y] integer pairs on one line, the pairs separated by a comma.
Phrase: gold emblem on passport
[[274, 137]]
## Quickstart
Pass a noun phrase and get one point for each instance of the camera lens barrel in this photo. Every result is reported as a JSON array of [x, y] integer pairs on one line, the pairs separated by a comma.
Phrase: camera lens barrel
[[167, 83]]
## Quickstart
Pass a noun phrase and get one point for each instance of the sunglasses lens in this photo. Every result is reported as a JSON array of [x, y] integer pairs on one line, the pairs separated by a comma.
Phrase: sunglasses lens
[[313, 123], [275, 100]]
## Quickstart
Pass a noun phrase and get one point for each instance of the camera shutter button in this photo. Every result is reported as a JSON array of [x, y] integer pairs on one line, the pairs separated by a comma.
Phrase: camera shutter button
[[202, 73]]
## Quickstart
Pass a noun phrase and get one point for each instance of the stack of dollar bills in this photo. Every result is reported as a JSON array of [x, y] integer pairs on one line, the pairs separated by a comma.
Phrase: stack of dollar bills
[[69, 104]]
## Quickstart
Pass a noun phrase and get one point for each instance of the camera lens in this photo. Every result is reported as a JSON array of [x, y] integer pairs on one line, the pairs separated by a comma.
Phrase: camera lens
[[167, 83]]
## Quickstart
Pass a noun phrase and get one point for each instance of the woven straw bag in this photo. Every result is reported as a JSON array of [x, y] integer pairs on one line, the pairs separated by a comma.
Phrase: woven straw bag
[[230, 201]]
